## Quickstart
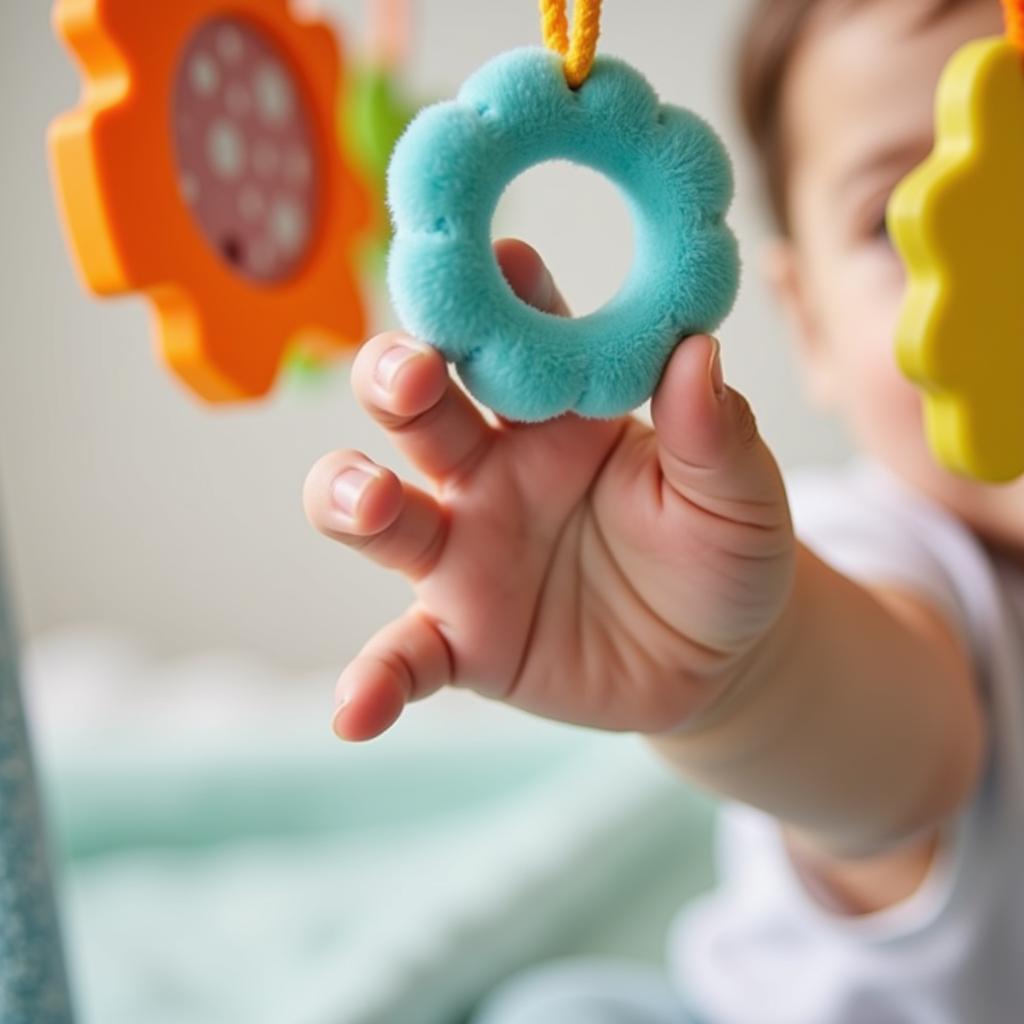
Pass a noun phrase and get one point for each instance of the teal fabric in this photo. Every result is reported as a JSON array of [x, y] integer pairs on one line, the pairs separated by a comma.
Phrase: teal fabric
[[226, 859], [33, 987], [446, 176], [586, 991], [269, 874]]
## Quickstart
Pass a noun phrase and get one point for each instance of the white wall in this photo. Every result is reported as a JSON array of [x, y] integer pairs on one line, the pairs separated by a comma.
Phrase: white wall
[[124, 501]]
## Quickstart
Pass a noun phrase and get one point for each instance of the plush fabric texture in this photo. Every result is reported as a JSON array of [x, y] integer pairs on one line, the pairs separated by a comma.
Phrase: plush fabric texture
[[446, 176]]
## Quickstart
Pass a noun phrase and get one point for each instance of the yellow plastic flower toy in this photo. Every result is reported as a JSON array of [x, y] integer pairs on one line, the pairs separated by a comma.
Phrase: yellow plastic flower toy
[[958, 223], [203, 168]]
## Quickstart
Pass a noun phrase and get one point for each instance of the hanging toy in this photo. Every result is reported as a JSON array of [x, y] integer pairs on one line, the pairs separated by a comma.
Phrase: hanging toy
[[203, 169], [522, 108], [958, 223]]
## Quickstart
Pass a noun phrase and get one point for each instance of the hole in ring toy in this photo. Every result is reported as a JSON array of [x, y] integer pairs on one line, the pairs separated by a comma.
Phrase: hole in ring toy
[[446, 176]]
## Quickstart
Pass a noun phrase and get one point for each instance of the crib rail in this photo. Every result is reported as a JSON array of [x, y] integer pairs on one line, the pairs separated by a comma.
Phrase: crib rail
[[33, 985]]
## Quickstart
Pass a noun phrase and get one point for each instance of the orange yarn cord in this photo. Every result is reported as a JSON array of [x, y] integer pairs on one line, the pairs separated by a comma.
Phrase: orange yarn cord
[[586, 27], [1014, 11]]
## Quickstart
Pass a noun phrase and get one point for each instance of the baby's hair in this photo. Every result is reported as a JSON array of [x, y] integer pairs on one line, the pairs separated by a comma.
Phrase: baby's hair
[[773, 33]]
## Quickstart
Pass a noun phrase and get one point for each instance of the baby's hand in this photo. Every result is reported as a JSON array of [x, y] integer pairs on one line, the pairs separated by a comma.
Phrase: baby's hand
[[597, 572]]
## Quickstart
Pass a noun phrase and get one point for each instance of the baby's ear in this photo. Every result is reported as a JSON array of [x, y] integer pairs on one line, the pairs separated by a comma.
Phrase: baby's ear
[[781, 267]]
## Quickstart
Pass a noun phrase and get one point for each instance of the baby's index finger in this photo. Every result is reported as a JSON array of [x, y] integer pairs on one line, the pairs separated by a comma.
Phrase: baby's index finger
[[405, 386], [528, 276]]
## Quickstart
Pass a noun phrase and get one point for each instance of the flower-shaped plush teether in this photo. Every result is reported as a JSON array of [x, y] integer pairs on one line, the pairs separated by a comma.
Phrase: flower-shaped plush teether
[[446, 176], [958, 222]]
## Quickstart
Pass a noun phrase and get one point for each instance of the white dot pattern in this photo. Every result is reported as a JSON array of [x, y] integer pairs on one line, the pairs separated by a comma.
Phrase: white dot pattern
[[203, 74], [288, 224], [244, 145], [274, 95], [225, 148]]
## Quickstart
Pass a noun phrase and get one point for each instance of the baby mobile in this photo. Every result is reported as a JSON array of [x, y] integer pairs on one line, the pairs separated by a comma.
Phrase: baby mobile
[[204, 169], [241, 216]]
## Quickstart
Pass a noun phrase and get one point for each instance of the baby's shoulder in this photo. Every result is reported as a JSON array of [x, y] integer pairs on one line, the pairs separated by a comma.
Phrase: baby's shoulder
[[864, 492], [875, 528]]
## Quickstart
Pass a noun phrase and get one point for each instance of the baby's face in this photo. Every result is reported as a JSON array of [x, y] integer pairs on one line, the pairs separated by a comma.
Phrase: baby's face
[[859, 112]]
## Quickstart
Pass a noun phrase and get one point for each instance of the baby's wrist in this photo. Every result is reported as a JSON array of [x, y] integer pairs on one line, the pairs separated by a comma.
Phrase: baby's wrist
[[745, 681]]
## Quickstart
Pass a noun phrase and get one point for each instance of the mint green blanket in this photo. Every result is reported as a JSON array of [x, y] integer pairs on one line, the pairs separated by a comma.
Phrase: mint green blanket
[[258, 871]]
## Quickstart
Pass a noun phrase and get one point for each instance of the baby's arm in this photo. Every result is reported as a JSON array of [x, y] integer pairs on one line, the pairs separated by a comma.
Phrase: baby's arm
[[856, 723]]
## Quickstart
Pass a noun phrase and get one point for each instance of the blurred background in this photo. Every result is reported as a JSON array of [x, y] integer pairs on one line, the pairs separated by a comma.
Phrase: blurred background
[[225, 859]]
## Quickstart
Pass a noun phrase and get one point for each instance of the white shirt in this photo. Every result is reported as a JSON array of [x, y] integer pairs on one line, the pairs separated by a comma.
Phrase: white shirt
[[759, 949]]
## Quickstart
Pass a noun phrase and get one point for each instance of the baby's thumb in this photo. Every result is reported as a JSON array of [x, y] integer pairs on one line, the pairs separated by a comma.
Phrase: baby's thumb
[[709, 446]]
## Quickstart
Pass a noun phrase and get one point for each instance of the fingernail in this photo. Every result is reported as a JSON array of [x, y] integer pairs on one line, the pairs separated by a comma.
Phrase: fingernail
[[348, 488], [542, 294], [391, 362], [715, 370], [342, 704]]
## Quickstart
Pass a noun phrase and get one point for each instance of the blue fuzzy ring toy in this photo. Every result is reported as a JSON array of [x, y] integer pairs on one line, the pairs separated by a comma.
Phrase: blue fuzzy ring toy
[[446, 176]]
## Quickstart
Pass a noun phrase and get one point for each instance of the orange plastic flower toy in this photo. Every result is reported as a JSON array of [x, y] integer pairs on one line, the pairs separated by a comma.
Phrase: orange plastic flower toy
[[958, 222], [203, 168]]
